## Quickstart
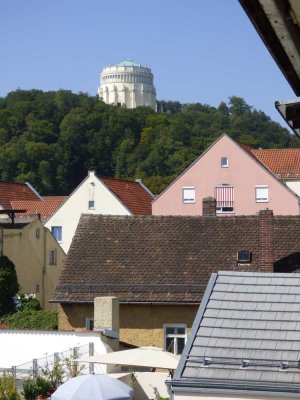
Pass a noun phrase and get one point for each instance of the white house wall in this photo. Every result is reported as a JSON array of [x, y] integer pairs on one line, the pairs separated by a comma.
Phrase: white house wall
[[21, 346], [69, 213], [294, 185]]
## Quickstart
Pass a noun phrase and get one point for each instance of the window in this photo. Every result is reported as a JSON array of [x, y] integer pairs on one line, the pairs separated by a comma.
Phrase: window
[[53, 257], [224, 162], [188, 195], [91, 205], [89, 323], [261, 193], [37, 233], [244, 256], [57, 232], [224, 195], [174, 337]]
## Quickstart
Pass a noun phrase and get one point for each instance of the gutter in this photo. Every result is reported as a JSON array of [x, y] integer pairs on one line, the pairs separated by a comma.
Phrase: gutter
[[146, 303], [239, 387]]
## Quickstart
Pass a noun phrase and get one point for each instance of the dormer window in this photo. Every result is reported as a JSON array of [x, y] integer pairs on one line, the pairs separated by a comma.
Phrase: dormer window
[[224, 162]]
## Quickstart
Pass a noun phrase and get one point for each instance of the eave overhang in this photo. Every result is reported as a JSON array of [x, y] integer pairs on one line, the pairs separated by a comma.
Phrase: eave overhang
[[278, 24], [290, 112]]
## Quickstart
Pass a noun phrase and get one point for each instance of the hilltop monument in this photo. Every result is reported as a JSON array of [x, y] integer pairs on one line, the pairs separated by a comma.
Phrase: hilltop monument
[[127, 84]]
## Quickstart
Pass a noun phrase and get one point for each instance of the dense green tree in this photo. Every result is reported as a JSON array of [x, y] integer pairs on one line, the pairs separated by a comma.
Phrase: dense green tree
[[8, 285], [51, 139]]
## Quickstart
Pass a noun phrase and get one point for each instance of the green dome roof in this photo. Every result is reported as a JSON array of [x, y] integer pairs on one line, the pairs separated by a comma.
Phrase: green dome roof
[[127, 63]]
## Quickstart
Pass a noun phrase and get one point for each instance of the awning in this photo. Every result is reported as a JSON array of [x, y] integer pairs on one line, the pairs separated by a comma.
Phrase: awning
[[150, 357]]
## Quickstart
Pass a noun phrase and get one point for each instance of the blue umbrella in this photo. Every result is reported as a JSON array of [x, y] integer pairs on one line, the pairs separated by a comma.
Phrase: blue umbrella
[[90, 386]]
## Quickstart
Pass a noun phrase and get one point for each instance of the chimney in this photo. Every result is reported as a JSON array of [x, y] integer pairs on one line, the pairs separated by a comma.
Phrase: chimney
[[208, 206], [266, 241], [106, 316]]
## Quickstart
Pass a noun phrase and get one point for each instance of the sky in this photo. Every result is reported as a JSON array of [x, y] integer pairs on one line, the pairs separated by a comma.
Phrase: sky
[[199, 50]]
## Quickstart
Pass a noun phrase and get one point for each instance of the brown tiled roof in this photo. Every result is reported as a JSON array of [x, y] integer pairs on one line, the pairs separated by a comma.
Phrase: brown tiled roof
[[152, 259], [45, 207], [284, 163], [132, 195], [166, 259], [10, 191]]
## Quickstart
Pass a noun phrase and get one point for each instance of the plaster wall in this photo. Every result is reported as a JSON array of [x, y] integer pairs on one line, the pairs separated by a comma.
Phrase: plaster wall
[[28, 248], [21, 346], [294, 185], [68, 215], [243, 172], [140, 325]]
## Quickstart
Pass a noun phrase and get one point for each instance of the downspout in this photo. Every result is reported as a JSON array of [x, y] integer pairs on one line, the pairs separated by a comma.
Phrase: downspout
[[44, 268]]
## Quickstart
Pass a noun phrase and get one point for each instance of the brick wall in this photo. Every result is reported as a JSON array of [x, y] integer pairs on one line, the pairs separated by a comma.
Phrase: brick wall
[[209, 206], [266, 242]]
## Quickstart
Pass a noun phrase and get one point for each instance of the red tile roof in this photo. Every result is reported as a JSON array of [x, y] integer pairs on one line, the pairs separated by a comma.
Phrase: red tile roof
[[132, 194], [284, 163], [10, 191], [45, 207]]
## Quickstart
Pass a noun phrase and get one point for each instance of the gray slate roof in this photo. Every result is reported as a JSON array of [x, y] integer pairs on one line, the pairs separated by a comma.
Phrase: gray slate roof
[[250, 317]]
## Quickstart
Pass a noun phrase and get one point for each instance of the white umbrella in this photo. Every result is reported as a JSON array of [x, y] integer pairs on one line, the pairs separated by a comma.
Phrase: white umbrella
[[87, 387], [151, 357]]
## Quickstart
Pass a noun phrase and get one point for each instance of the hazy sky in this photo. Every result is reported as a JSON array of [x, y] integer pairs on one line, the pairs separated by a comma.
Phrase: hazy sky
[[199, 50]]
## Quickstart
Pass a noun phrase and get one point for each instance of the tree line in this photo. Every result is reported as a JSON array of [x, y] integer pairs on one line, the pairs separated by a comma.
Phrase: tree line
[[51, 139]]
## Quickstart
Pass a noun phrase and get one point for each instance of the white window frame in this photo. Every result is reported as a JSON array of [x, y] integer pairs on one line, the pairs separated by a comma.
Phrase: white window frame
[[53, 228], [175, 336], [185, 199], [261, 199], [224, 165]]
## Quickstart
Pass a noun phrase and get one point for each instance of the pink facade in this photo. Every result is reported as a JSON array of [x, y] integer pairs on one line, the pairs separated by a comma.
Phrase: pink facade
[[240, 184]]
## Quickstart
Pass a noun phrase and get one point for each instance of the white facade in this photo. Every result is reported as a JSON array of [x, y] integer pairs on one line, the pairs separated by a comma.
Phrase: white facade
[[91, 196], [127, 84], [21, 346]]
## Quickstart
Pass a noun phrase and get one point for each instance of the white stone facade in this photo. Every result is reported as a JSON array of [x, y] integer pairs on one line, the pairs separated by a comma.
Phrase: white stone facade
[[127, 84]]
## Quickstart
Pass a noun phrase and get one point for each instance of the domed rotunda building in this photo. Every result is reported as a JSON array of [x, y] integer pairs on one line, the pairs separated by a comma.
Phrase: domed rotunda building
[[127, 84]]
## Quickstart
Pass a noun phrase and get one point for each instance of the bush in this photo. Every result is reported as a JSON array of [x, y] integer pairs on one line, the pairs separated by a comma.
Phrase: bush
[[28, 302], [7, 387], [30, 319], [8, 285], [36, 387]]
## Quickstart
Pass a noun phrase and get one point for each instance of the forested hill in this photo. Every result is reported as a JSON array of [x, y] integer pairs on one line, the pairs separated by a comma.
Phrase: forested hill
[[51, 139]]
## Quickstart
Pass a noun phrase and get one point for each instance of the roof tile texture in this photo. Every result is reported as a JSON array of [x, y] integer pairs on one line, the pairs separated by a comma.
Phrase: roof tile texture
[[166, 259], [153, 258], [15, 191], [284, 163], [45, 207], [132, 195], [248, 317]]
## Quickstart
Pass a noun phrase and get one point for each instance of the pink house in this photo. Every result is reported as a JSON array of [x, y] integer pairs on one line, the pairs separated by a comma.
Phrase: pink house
[[230, 172]]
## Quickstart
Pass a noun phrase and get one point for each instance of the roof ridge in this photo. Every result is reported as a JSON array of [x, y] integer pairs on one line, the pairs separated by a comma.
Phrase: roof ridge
[[116, 179]]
